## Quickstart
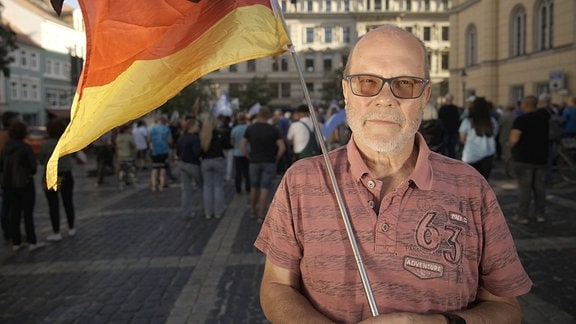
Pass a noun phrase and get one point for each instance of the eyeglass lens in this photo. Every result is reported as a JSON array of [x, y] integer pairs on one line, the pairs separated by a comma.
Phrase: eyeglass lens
[[402, 87]]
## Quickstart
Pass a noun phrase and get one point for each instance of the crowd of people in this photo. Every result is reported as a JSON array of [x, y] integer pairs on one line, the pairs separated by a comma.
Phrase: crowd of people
[[482, 133], [18, 168], [414, 180]]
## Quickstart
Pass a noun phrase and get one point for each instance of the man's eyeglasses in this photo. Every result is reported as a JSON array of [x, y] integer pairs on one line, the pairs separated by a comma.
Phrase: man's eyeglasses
[[402, 87]]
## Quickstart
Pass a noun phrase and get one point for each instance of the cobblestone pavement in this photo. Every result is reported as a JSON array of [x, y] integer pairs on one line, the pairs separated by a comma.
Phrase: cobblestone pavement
[[135, 259]]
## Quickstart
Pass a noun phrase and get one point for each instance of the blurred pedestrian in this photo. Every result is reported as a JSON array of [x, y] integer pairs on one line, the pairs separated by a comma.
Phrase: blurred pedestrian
[[104, 147], [529, 145], [263, 146], [478, 135], [241, 163], [569, 118], [18, 165], [213, 142], [505, 123], [140, 133], [65, 183], [7, 118], [160, 142], [432, 129], [125, 157], [301, 135], [189, 152], [280, 121], [449, 115]]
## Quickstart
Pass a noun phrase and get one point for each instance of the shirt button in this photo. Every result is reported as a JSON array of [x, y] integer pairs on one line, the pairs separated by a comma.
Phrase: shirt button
[[371, 184], [371, 204], [384, 227]]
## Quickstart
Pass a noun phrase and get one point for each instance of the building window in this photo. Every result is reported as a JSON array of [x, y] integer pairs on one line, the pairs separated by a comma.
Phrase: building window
[[274, 90], [518, 32], [34, 61], [444, 64], [346, 5], [328, 6], [275, 64], [542, 87], [408, 5], [346, 34], [23, 58], [309, 6], [409, 29], [251, 66], [310, 87], [14, 89], [516, 93], [377, 4], [233, 68], [284, 64], [309, 63], [327, 63], [545, 24], [328, 35], [309, 35], [48, 67], [427, 34], [35, 90], [58, 97], [427, 5], [445, 5], [471, 39], [285, 89], [445, 33]]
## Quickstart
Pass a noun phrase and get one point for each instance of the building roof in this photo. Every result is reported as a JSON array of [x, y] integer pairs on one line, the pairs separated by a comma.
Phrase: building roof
[[21, 38]]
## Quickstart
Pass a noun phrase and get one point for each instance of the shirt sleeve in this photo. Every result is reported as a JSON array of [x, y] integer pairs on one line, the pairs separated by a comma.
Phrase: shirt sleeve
[[277, 238], [501, 271]]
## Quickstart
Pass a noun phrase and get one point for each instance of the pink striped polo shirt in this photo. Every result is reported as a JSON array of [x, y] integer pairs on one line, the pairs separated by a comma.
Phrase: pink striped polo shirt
[[427, 246]]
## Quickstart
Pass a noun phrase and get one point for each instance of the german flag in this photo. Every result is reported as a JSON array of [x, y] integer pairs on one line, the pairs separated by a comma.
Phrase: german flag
[[142, 53]]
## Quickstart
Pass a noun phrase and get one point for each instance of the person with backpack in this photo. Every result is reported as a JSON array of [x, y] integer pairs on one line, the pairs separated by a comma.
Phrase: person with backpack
[[301, 135], [550, 113]]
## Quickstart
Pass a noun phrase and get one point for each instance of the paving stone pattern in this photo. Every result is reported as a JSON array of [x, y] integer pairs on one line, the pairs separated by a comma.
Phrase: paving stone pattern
[[135, 259]]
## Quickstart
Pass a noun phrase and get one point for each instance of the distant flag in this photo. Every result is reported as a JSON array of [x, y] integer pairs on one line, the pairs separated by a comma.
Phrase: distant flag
[[223, 107], [142, 53], [57, 5]]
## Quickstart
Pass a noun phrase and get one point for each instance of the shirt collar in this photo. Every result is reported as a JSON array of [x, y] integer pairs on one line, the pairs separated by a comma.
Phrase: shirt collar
[[421, 176]]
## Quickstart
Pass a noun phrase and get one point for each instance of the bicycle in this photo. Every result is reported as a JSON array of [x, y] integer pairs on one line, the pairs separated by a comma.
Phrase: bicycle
[[565, 163]]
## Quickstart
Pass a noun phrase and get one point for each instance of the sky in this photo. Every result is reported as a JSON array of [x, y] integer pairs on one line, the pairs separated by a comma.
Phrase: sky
[[73, 3]]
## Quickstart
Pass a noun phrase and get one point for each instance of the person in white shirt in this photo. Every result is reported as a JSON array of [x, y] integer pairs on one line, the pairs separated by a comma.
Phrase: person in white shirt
[[299, 134], [140, 133]]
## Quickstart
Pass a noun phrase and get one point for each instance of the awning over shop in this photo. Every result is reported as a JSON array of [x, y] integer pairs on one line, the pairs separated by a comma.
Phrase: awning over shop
[[61, 113]]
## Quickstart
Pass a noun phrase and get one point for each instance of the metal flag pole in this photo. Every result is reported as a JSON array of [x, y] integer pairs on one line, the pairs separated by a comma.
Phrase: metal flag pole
[[343, 212]]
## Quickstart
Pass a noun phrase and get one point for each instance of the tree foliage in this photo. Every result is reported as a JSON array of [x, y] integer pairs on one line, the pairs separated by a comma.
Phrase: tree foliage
[[256, 91], [7, 45], [333, 89], [183, 102]]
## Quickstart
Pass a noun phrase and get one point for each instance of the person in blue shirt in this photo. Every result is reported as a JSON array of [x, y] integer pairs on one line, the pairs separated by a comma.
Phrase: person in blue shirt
[[160, 140]]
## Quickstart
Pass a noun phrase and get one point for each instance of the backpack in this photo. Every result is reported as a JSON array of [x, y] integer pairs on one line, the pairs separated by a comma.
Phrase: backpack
[[554, 125], [312, 147]]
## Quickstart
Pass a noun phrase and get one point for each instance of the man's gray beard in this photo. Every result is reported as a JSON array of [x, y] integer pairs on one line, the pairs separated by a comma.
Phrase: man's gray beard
[[393, 145]]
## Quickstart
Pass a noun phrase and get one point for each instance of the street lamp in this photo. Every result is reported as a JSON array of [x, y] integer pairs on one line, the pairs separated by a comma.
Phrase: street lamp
[[463, 76]]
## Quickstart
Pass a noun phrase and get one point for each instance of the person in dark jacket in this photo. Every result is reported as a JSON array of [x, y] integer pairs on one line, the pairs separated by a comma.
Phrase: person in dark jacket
[[55, 129], [18, 165], [213, 142]]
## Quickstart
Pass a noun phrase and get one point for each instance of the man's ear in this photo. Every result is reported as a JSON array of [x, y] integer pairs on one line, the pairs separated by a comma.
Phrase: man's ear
[[345, 91]]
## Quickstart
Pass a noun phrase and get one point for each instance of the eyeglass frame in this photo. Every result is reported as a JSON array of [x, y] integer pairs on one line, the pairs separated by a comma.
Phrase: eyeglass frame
[[389, 81]]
